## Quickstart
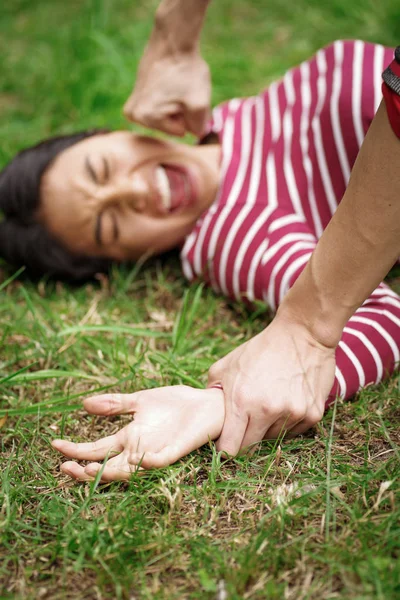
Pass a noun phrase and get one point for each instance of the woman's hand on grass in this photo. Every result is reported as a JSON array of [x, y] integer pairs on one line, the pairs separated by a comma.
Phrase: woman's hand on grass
[[277, 382], [168, 423]]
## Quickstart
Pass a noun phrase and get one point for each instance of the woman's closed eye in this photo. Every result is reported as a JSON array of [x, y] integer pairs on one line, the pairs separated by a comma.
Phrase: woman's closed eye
[[106, 229], [98, 174]]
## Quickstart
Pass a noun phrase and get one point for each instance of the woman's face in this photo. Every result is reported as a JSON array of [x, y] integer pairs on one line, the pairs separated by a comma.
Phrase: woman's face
[[121, 196]]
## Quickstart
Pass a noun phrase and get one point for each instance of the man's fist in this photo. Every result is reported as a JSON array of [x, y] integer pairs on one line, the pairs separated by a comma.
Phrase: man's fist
[[172, 92]]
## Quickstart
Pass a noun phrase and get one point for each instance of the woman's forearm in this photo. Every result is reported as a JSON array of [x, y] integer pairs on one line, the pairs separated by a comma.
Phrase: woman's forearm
[[178, 23], [360, 244]]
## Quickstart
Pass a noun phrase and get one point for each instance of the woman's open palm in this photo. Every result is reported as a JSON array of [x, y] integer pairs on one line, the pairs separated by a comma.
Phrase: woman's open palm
[[168, 423]]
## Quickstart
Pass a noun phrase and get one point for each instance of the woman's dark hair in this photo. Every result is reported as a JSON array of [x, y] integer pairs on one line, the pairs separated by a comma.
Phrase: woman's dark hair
[[25, 241]]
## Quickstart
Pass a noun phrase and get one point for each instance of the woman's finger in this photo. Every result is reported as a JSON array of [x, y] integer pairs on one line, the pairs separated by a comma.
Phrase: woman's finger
[[121, 472], [72, 469], [111, 404], [89, 450], [156, 460]]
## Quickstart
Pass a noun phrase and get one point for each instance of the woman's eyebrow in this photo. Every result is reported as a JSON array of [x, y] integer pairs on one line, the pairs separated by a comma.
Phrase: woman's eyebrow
[[90, 170]]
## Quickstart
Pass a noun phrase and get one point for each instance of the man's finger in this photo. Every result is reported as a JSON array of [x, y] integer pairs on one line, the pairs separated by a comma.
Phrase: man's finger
[[279, 429], [133, 109], [313, 416], [255, 432], [90, 450], [233, 431], [168, 118], [128, 110], [196, 120], [173, 124], [300, 428]]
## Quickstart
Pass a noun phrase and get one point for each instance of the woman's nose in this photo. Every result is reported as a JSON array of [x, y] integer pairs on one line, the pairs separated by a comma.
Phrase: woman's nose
[[130, 191]]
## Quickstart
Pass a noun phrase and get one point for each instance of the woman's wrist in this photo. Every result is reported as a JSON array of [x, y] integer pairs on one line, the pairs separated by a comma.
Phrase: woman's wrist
[[216, 407]]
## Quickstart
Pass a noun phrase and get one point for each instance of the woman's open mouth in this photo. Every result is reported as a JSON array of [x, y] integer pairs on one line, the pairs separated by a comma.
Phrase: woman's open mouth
[[175, 186]]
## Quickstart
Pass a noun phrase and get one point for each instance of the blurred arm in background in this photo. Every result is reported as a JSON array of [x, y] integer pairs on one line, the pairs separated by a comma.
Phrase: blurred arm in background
[[173, 86]]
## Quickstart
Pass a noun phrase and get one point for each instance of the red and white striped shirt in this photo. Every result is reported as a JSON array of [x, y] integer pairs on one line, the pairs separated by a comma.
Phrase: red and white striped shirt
[[286, 160]]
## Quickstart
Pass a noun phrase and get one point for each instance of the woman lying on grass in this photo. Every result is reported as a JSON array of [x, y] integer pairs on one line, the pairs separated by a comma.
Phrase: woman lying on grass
[[247, 210]]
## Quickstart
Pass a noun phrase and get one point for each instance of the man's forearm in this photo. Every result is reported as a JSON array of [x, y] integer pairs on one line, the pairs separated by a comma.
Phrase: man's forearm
[[179, 23], [360, 244]]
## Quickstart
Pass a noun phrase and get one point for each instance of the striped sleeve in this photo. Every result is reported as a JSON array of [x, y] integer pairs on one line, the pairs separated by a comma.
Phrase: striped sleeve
[[290, 245], [369, 349]]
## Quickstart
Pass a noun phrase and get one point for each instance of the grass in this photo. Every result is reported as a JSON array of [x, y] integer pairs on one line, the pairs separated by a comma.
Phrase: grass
[[316, 517]]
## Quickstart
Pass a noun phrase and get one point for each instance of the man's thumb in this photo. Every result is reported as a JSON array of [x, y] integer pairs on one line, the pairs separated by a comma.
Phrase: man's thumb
[[196, 120]]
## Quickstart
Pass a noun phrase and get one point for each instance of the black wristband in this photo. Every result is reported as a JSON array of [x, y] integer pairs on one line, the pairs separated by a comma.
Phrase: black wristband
[[391, 79]]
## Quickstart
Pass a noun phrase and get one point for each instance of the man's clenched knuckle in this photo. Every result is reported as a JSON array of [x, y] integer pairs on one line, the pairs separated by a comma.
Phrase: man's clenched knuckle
[[314, 416], [319, 413], [198, 105], [297, 413], [145, 115], [268, 407], [141, 111], [242, 395]]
